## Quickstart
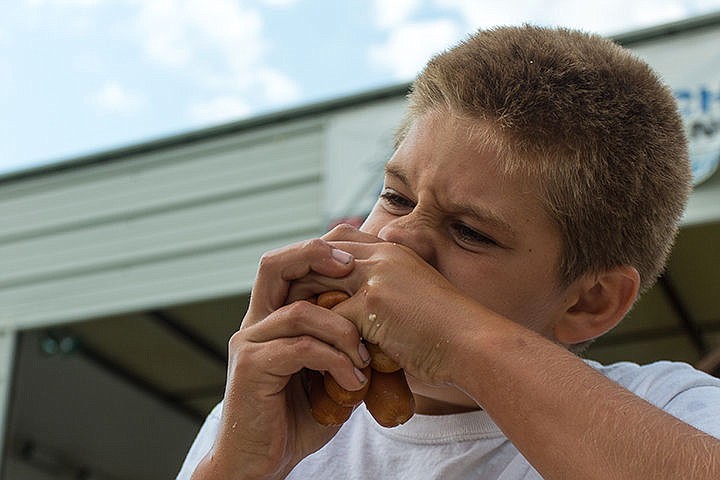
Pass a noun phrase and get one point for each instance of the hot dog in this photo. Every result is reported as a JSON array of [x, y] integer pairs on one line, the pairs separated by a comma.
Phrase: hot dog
[[347, 398], [386, 394], [380, 361], [389, 399], [324, 410]]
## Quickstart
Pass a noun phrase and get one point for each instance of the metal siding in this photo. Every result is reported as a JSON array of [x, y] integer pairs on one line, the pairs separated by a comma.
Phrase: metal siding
[[149, 237], [158, 229], [163, 180]]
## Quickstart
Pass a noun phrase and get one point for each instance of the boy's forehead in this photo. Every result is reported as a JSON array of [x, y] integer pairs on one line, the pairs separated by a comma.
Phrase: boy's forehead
[[446, 126], [439, 139], [453, 157]]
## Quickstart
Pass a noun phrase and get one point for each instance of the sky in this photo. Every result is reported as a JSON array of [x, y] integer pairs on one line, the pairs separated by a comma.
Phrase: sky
[[79, 77]]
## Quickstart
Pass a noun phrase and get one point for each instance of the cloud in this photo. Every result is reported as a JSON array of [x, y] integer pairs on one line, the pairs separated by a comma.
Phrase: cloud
[[176, 33], [63, 3], [410, 42], [220, 45], [279, 3], [610, 16], [478, 14], [6, 80], [219, 109], [389, 14], [410, 45], [273, 86], [277, 87], [113, 98]]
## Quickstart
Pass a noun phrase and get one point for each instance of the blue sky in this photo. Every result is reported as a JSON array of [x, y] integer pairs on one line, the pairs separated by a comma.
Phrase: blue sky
[[83, 76]]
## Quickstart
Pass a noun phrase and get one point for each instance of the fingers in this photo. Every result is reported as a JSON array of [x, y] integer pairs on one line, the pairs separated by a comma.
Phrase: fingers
[[374, 264], [290, 355], [366, 256], [347, 398], [302, 270], [279, 268], [349, 233], [315, 338]]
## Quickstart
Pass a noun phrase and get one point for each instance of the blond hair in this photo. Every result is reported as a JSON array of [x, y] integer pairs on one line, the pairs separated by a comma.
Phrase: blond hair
[[586, 118]]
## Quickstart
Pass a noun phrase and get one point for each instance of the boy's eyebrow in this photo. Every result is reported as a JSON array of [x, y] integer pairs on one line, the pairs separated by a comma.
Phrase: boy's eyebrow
[[481, 215], [397, 172], [487, 217]]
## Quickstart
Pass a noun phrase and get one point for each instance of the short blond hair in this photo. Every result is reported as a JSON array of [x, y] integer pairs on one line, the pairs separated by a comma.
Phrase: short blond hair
[[590, 121]]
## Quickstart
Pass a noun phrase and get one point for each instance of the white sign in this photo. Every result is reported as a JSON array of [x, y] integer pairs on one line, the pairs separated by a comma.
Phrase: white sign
[[690, 63], [700, 108]]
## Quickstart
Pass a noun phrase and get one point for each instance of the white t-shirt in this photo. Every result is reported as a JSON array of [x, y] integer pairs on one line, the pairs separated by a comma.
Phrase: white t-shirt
[[470, 445]]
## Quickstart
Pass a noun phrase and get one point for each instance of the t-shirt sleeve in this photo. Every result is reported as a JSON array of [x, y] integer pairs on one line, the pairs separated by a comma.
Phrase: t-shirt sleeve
[[698, 406], [202, 443], [675, 387]]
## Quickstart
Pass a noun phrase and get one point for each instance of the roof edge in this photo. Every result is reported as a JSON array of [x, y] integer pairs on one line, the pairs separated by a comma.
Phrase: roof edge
[[216, 131], [699, 22]]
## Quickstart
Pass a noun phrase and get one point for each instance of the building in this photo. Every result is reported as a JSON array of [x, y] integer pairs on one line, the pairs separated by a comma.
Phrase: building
[[125, 272]]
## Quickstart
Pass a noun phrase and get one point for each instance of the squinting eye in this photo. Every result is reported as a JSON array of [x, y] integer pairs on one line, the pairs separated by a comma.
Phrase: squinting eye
[[395, 201], [469, 235]]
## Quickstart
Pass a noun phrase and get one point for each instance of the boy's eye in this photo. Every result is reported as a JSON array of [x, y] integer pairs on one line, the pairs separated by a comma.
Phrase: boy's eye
[[470, 235], [396, 202]]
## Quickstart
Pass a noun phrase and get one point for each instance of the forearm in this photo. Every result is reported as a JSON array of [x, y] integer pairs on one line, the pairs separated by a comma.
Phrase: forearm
[[570, 421], [212, 468]]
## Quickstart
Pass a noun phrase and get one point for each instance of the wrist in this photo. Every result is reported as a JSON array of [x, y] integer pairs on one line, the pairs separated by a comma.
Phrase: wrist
[[490, 347], [212, 467]]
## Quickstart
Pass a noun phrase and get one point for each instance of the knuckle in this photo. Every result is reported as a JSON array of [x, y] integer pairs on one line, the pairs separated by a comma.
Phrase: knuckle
[[239, 354], [235, 340], [348, 343], [392, 251], [373, 296], [303, 344], [349, 333], [297, 311], [267, 259], [342, 230], [373, 325], [315, 244]]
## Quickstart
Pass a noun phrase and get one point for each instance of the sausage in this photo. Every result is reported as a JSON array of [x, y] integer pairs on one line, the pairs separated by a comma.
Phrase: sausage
[[380, 361], [386, 394], [324, 410], [347, 398], [389, 399], [330, 299]]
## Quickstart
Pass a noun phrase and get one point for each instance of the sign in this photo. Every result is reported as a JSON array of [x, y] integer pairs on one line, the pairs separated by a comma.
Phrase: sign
[[700, 108], [689, 62]]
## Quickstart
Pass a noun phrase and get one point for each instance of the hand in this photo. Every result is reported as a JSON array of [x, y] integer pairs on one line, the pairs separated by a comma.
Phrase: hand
[[399, 302], [266, 426]]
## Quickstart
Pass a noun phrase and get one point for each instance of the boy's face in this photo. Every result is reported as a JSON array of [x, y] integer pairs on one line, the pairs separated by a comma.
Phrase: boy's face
[[487, 233]]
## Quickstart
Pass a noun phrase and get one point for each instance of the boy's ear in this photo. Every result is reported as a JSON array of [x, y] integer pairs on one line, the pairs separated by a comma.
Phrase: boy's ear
[[598, 303]]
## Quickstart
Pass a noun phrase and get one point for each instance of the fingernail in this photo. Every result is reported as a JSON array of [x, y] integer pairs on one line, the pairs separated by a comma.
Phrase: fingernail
[[364, 354], [341, 256], [360, 376]]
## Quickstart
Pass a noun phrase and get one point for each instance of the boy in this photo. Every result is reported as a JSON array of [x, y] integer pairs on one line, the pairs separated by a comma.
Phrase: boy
[[535, 192]]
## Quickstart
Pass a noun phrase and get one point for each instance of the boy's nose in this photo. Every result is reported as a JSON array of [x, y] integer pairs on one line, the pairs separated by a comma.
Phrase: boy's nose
[[414, 233]]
